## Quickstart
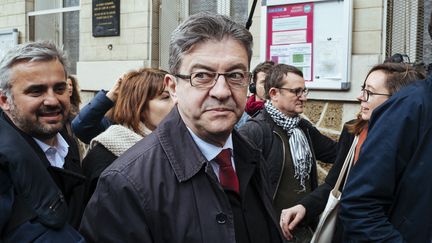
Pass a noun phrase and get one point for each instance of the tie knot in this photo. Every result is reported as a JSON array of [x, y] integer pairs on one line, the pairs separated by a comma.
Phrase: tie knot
[[224, 158]]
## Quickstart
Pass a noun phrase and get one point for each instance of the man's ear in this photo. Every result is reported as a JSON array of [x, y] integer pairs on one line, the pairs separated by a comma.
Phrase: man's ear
[[273, 93], [171, 83], [4, 104]]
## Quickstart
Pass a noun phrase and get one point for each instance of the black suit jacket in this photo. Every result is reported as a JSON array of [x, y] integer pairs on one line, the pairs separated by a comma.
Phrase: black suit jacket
[[69, 179]]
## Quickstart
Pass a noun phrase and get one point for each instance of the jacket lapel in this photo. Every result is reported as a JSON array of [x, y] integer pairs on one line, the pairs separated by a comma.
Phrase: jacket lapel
[[174, 129]]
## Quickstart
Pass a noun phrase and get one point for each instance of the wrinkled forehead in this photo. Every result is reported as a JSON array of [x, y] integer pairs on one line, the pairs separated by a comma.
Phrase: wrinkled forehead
[[213, 55]]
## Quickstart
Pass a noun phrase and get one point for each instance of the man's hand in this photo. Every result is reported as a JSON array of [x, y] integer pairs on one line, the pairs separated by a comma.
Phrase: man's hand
[[289, 219]]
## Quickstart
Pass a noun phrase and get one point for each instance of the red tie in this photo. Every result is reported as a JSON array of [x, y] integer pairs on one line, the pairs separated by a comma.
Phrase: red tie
[[227, 176]]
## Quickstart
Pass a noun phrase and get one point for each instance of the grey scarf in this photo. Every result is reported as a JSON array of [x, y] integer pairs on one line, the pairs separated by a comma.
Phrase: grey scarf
[[299, 146]]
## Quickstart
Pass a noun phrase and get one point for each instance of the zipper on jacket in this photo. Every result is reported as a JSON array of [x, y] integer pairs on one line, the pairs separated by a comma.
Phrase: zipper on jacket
[[283, 164], [60, 200]]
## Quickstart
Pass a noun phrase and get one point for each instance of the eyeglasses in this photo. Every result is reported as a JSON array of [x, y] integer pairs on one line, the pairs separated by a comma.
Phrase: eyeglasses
[[367, 93], [298, 92], [209, 79]]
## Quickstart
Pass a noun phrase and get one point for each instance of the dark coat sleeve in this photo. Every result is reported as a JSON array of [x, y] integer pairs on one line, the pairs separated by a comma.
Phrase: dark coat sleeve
[[97, 160], [252, 131], [369, 193], [6, 197], [325, 148], [316, 201], [260, 135], [114, 204], [91, 120]]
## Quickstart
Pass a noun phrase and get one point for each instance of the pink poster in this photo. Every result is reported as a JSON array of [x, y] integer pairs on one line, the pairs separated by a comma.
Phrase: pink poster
[[290, 36]]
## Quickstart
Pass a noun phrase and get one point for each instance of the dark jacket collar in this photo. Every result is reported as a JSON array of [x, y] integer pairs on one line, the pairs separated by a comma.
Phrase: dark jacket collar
[[28, 139], [184, 155], [72, 156]]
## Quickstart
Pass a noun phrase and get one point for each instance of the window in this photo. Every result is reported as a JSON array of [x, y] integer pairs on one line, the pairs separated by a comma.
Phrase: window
[[405, 23], [238, 10], [173, 12], [58, 21]]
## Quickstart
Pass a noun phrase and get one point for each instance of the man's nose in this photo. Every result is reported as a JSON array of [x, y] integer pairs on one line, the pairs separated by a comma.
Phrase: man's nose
[[303, 97], [221, 90], [51, 98]]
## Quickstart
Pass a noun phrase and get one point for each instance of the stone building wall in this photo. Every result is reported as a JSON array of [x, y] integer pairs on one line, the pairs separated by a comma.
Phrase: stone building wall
[[104, 59], [133, 42], [329, 117], [13, 15]]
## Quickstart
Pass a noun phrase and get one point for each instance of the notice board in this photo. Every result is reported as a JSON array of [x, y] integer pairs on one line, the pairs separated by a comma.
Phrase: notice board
[[8, 39], [314, 36]]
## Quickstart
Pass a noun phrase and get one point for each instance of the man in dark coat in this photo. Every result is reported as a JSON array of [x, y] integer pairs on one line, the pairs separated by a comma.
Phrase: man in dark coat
[[289, 143], [388, 194], [193, 179], [41, 187]]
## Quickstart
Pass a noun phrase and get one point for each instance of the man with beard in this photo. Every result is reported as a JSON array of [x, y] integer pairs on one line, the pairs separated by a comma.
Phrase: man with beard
[[289, 143], [41, 187]]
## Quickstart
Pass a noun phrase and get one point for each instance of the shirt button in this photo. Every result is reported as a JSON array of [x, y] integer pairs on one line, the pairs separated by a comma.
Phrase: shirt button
[[221, 218]]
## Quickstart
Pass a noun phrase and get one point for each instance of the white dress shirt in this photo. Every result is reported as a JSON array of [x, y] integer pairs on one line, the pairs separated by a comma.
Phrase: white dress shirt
[[55, 154]]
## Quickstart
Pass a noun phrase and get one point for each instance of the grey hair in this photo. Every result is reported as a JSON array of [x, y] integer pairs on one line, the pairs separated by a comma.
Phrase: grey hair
[[28, 52], [202, 27]]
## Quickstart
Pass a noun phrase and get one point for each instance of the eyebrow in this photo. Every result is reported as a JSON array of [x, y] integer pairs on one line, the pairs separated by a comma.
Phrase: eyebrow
[[367, 86], [34, 87], [43, 87], [236, 66]]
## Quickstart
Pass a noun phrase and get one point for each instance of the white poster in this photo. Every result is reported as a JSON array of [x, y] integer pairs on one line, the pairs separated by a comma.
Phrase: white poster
[[8, 38], [328, 59]]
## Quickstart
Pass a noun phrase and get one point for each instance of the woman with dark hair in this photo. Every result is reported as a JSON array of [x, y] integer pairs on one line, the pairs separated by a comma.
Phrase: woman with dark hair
[[382, 81], [142, 102], [75, 101], [74, 93]]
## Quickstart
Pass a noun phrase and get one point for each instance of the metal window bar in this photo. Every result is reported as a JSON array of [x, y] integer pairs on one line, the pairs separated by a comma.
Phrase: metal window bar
[[405, 28]]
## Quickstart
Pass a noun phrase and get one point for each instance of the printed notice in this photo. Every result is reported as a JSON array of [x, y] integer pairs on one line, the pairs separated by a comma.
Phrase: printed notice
[[298, 55], [328, 63], [290, 36], [291, 23]]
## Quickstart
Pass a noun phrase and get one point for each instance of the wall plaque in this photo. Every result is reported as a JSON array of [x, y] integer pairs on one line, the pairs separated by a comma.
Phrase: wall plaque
[[106, 18]]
